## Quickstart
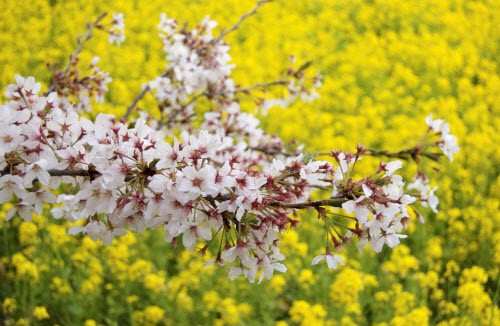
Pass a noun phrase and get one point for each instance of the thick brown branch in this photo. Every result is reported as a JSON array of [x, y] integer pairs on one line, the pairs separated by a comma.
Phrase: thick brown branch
[[332, 202], [72, 173]]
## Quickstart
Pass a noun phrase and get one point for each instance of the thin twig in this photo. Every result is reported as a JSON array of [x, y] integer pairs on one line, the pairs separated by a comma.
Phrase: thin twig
[[81, 40], [225, 32], [406, 154], [177, 112], [139, 96], [403, 154], [272, 151], [280, 81], [136, 100], [413, 153]]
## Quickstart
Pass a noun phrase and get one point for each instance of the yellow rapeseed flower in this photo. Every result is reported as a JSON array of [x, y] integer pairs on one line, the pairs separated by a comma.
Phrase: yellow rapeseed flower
[[184, 301], [416, 317], [139, 269], [451, 270], [473, 274], [346, 287], [9, 305], [211, 299], [151, 315], [91, 284], [25, 269], [155, 282], [401, 262], [473, 298], [307, 278], [60, 286], [277, 283], [40, 313], [22, 322], [28, 233], [303, 313], [131, 299], [229, 312], [245, 310], [281, 323]]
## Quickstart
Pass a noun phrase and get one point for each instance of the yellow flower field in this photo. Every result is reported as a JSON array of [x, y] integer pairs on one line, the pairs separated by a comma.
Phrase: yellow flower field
[[386, 66]]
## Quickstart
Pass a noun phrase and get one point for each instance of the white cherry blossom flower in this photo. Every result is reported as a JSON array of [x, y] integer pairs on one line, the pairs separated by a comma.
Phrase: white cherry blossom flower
[[117, 31], [449, 146], [332, 261], [37, 170], [268, 264], [10, 185], [391, 167], [357, 207]]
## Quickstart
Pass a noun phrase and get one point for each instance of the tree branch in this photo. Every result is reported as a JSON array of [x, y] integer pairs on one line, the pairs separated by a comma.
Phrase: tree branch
[[240, 21], [406, 154], [139, 96], [332, 202], [280, 81], [81, 40]]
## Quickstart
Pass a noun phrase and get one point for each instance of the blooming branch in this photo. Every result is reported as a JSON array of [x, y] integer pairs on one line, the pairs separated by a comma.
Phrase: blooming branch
[[228, 182]]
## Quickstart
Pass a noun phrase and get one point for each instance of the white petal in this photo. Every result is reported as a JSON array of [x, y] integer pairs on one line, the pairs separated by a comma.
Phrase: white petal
[[349, 206], [368, 192], [391, 167], [331, 262], [279, 267], [76, 229], [317, 259]]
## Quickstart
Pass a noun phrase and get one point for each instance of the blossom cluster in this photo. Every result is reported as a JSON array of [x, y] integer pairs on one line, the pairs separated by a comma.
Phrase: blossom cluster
[[117, 30], [382, 209], [198, 65], [448, 142], [229, 182], [79, 92], [75, 90], [131, 178]]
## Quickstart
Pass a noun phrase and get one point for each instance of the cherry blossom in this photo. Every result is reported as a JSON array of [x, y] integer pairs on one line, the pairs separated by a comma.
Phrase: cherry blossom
[[332, 261], [116, 32], [221, 180], [448, 143]]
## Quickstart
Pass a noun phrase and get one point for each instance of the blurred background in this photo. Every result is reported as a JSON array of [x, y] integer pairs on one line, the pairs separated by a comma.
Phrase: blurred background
[[386, 66]]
